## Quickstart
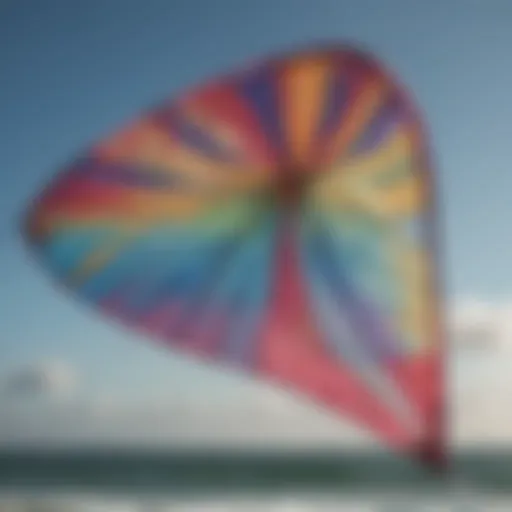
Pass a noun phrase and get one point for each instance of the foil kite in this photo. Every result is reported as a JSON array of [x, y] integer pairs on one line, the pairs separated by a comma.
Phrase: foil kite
[[279, 219]]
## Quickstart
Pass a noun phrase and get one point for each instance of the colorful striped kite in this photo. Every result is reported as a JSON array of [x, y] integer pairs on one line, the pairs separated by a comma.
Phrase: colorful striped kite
[[280, 220]]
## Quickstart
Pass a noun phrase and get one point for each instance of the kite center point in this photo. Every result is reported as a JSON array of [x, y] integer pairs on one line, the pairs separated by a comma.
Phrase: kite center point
[[290, 188]]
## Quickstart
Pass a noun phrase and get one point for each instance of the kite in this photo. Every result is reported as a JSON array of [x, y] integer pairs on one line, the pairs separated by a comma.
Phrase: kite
[[280, 220]]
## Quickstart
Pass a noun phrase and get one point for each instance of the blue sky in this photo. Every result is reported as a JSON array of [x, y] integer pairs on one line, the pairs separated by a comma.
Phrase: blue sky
[[71, 72]]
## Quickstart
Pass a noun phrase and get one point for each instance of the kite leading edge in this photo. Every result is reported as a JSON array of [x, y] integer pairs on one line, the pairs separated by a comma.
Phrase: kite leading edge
[[281, 220]]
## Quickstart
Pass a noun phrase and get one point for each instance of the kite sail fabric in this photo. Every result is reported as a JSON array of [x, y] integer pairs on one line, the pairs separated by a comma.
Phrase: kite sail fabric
[[279, 220]]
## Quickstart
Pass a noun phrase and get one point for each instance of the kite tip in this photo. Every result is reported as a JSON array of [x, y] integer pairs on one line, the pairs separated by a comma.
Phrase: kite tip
[[433, 455]]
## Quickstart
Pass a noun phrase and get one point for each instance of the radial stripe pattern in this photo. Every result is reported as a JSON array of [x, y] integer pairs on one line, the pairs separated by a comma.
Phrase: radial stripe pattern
[[279, 219]]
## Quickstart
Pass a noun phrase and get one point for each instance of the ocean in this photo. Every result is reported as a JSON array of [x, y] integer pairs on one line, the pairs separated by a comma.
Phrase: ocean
[[212, 472]]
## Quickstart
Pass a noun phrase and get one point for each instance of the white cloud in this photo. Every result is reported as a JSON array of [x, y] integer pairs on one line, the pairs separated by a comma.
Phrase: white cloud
[[45, 378], [479, 323], [481, 372]]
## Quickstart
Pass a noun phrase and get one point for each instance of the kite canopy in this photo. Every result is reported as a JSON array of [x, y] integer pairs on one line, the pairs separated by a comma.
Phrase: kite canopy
[[278, 219]]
